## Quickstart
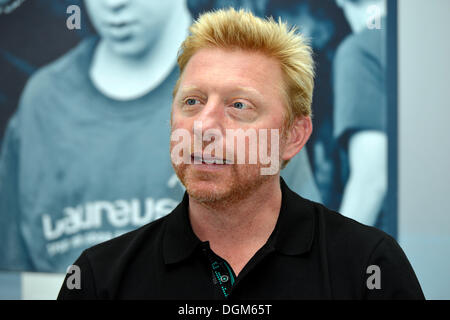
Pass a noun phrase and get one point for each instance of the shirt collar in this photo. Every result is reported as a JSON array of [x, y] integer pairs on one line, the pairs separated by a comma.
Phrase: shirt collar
[[179, 240], [293, 233]]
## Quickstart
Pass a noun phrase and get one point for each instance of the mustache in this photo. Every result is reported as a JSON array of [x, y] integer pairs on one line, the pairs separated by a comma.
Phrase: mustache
[[201, 157], [250, 146]]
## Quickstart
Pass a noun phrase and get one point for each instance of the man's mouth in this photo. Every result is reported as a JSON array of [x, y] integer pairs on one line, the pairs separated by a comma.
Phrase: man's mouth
[[199, 159]]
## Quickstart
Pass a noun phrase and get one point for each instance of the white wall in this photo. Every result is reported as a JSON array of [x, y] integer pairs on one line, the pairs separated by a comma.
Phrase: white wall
[[424, 141], [41, 286]]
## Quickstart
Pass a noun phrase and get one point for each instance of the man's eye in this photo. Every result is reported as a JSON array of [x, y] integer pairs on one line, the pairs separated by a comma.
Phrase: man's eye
[[191, 101], [239, 105]]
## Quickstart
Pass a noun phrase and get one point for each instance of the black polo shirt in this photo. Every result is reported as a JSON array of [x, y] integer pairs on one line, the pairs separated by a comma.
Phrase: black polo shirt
[[313, 253]]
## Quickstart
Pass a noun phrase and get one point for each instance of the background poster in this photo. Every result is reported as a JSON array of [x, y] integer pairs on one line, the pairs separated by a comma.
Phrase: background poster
[[85, 95]]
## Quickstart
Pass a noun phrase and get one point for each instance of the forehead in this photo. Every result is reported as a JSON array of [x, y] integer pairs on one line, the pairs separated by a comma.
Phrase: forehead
[[215, 68]]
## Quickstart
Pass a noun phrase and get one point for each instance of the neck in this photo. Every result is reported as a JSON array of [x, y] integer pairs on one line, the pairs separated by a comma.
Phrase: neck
[[144, 71], [242, 226]]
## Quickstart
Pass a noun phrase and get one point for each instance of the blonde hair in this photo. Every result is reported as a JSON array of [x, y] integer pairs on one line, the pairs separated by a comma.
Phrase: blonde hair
[[231, 29]]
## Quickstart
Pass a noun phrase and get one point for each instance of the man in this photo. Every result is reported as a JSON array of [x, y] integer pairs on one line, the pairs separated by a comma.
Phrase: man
[[241, 233], [360, 114]]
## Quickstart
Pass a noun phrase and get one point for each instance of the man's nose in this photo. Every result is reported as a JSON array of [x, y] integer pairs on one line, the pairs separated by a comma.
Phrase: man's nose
[[209, 123], [212, 115]]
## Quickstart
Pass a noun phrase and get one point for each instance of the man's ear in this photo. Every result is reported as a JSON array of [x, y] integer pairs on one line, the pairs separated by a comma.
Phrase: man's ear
[[296, 137]]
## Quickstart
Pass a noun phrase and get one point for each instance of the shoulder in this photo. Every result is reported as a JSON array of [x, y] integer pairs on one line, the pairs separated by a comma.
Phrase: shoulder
[[103, 266], [331, 229], [345, 241], [343, 231], [126, 247], [64, 72], [354, 250], [364, 46]]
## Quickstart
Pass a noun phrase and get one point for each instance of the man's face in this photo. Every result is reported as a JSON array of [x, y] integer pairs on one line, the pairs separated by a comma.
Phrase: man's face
[[222, 90], [130, 27]]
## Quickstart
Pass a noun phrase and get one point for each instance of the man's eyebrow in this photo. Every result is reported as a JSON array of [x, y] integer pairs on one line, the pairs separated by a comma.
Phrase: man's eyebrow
[[238, 89], [232, 90], [189, 88], [249, 90]]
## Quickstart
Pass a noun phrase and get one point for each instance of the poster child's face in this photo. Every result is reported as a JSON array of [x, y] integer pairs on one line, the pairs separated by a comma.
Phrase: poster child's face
[[130, 27]]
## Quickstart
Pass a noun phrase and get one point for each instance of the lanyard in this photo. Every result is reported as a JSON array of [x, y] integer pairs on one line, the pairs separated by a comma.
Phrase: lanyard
[[222, 275]]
